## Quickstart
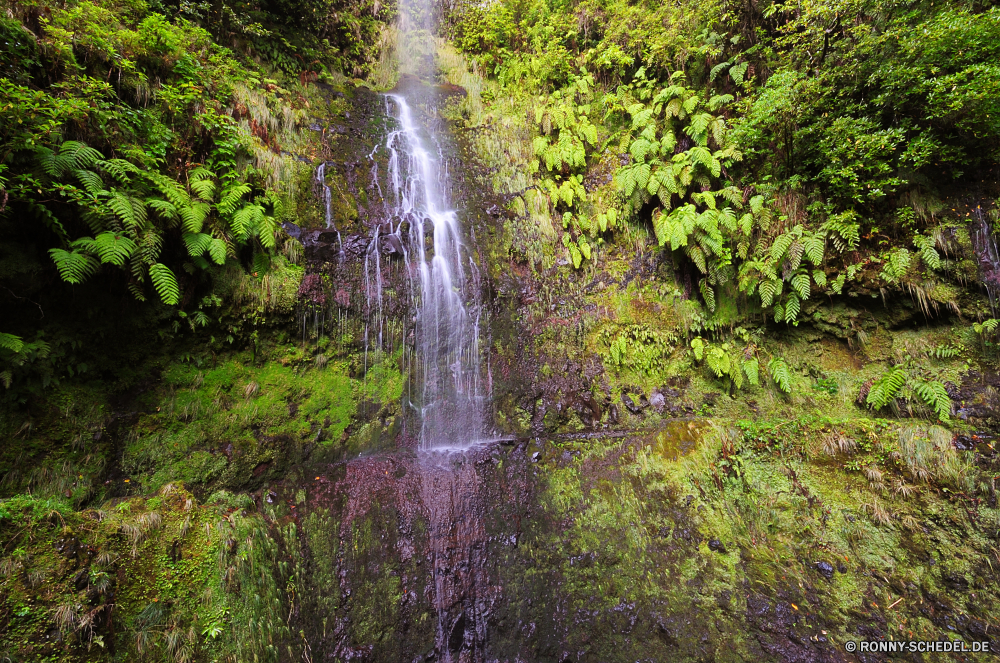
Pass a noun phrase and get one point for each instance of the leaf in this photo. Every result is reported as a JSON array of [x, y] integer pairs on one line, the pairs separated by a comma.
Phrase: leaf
[[781, 374], [800, 283], [196, 243], [751, 368], [886, 387], [708, 293], [131, 211], [780, 246], [698, 347], [165, 283], [738, 72], [935, 396], [11, 342], [113, 248], [928, 253], [814, 245], [768, 290], [74, 267], [792, 307], [91, 181], [217, 251]]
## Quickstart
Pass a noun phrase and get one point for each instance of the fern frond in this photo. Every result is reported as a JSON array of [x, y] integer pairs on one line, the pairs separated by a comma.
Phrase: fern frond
[[165, 283], [708, 293], [196, 243], [781, 374], [74, 267], [120, 169], [79, 155], [217, 250], [114, 248], [800, 283], [935, 396], [885, 389], [751, 368], [11, 342], [91, 181], [928, 252]]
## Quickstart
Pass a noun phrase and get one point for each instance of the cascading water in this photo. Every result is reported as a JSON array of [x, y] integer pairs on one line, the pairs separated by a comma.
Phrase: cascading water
[[450, 395]]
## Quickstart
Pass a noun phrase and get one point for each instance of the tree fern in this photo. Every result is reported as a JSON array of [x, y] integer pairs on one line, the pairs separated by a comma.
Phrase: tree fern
[[165, 283], [781, 374], [935, 396], [885, 389], [74, 267]]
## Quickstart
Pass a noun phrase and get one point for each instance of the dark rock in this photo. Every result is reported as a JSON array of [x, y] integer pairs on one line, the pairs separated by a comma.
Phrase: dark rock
[[825, 569], [457, 636], [292, 229], [717, 546], [657, 400], [630, 404], [81, 580], [613, 413]]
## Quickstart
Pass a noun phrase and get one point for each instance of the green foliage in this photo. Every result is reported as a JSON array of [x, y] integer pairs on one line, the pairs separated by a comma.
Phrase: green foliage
[[886, 388], [935, 396], [636, 347], [780, 374], [898, 381]]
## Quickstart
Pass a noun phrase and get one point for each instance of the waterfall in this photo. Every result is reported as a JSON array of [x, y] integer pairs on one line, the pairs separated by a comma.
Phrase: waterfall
[[450, 397]]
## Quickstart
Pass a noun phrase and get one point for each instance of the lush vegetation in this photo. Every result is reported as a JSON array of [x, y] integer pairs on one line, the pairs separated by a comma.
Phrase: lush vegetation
[[150, 155]]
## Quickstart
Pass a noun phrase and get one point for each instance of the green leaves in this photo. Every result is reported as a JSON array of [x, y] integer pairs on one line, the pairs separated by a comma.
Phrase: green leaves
[[74, 267], [165, 283], [113, 248], [11, 342], [886, 388], [935, 396], [928, 253], [780, 374]]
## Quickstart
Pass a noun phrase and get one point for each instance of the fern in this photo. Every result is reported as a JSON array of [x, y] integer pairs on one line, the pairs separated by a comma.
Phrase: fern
[[986, 327], [751, 367], [708, 293], [800, 283], [934, 394], [781, 374], [165, 283], [945, 351], [218, 250], [792, 307], [698, 348], [113, 248], [928, 254], [11, 342], [885, 389], [74, 267], [197, 244], [718, 361]]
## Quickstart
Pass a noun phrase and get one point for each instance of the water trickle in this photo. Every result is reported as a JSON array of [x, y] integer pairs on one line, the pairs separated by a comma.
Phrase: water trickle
[[327, 195]]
